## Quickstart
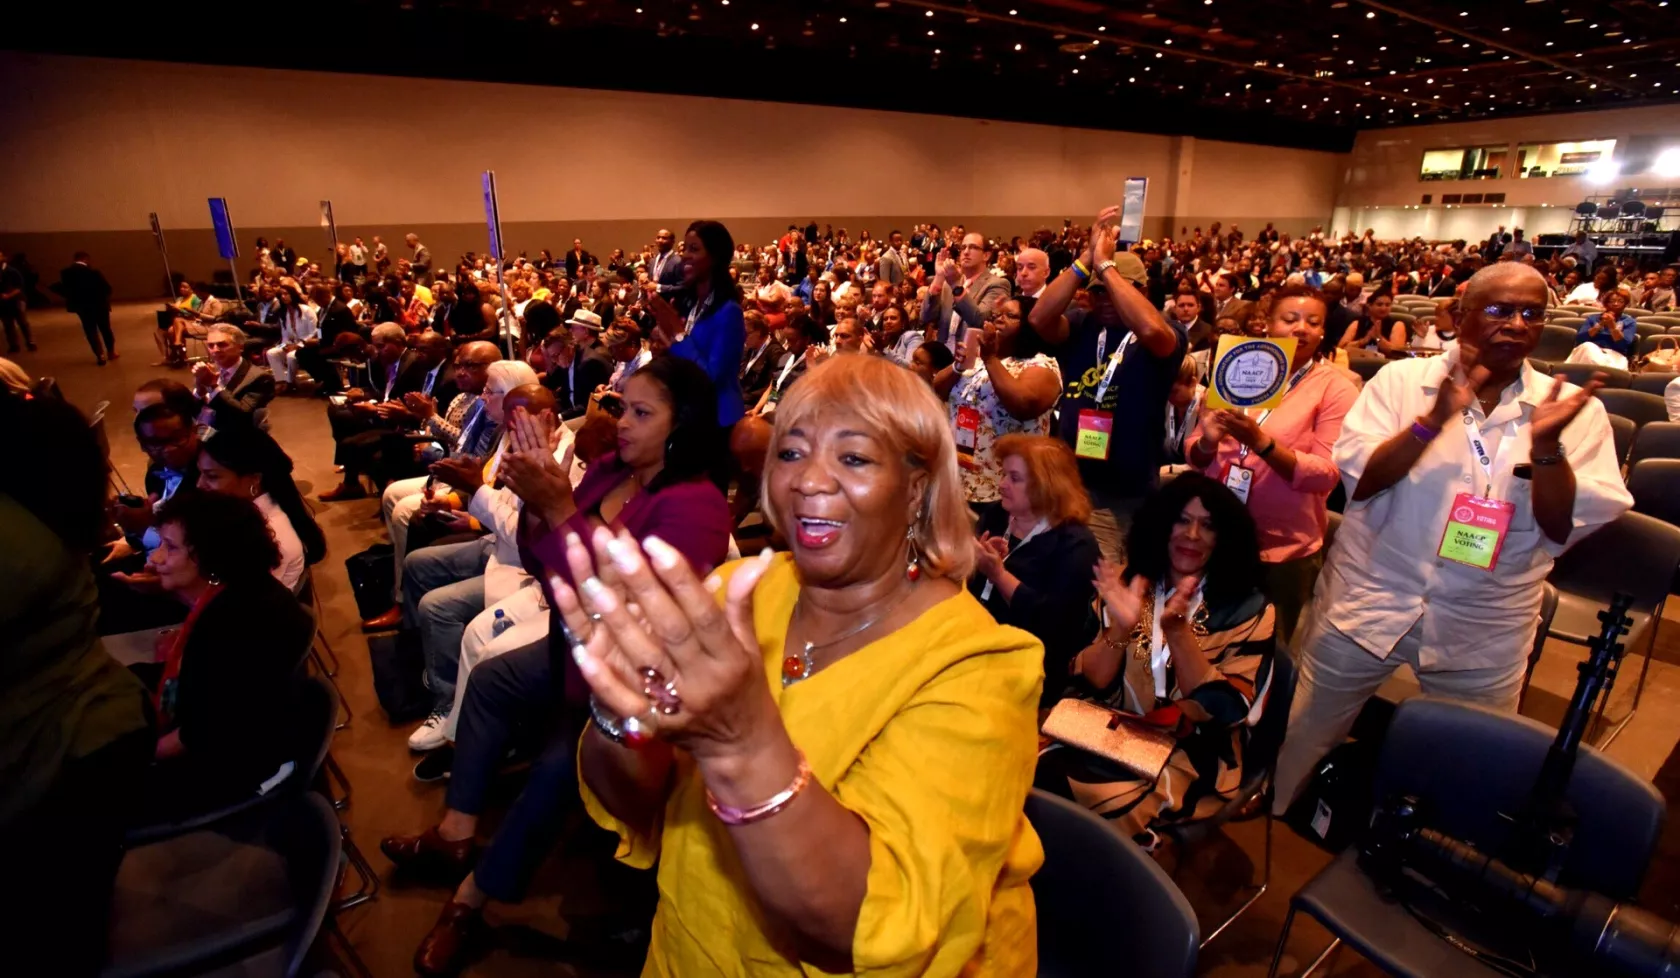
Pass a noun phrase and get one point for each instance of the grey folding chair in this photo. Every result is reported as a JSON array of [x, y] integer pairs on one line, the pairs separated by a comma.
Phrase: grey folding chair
[[1555, 342], [1623, 430], [1648, 329], [1657, 440], [248, 898], [1481, 767], [1099, 895], [1367, 367], [1579, 373], [1655, 483], [1548, 609], [1652, 382], [1642, 408], [1259, 764], [1634, 554]]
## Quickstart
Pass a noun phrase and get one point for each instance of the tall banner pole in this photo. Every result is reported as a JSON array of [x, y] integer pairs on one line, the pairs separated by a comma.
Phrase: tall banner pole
[[227, 243], [332, 235], [163, 249], [493, 219]]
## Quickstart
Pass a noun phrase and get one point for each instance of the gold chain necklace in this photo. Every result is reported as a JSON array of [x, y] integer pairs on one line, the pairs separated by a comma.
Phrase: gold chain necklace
[[1143, 633]]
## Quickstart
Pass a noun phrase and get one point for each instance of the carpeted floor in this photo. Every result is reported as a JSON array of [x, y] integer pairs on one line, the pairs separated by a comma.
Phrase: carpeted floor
[[386, 799]]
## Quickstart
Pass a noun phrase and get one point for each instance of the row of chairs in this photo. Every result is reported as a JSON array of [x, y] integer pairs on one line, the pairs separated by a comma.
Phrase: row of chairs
[[249, 888]]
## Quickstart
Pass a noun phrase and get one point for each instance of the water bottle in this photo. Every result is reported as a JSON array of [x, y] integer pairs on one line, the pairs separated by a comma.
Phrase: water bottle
[[501, 624]]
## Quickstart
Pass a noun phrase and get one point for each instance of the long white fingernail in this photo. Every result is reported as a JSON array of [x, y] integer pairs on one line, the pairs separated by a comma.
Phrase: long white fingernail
[[598, 593], [572, 539], [585, 661], [712, 583], [765, 556], [663, 555], [623, 556]]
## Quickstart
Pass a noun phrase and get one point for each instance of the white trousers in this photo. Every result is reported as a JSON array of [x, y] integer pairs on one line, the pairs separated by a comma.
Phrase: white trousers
[[529, 614], [1337, 676], [282, 365], [400, 501]]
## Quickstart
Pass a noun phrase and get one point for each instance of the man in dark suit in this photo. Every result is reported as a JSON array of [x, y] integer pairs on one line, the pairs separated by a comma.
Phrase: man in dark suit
[[284, 258], [573, 372], [566, 303], [576, 259], [373, 408], [88, 295], [234, 390], [1187, 312], [666, 267], [332, 320]]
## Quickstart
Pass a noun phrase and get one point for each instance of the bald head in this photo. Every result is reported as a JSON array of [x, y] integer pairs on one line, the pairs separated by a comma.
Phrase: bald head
[[481, 350], [433, 348], [1504, 313], [534, 398], [1498, 277], [1032, 270]]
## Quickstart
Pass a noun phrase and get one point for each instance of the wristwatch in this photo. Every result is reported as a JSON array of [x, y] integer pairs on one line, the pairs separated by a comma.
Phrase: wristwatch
[[1104, 266]]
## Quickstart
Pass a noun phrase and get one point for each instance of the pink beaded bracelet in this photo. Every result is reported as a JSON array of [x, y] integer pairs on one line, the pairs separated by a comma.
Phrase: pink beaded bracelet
[[746, 816]]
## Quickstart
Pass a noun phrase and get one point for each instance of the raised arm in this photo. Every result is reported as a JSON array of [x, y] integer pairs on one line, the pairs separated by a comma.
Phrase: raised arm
[[1135, 309], [1046, 315]]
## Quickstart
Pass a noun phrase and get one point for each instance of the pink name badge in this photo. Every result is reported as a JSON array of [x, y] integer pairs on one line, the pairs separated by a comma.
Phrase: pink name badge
[[1476, 530]]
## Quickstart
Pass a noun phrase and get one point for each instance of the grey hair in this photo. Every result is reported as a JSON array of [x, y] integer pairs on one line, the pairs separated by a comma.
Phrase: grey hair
[[389, 331], [233, 333], [513, 373]]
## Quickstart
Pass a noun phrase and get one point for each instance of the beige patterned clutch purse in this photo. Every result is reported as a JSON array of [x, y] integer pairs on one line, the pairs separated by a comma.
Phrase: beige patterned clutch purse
[[1138, 747]]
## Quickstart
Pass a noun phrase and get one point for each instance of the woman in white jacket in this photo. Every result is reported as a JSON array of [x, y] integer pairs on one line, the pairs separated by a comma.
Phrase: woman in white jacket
[[297, 324]]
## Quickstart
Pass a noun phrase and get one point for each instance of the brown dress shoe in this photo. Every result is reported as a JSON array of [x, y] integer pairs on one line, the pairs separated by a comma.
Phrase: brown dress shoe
[[428, 850], [384, 623], [344, 490], [444, 949]]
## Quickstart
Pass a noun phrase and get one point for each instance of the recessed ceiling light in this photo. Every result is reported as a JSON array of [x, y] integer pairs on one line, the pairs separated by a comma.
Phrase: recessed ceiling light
[[755, 27], [1017, 47], [1370, 15], [842, 20], [930, 33]]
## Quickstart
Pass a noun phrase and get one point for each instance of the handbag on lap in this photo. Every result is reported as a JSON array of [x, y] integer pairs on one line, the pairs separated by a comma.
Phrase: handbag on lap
[[1141, 748]]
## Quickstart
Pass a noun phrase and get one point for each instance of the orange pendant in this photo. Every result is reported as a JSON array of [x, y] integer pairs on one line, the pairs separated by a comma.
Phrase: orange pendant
[[793, 668]]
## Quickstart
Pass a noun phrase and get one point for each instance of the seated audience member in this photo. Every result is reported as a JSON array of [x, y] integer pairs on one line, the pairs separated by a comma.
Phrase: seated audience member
[[1662, 297], [247, 463], [1591, 293], [74, 722], [658, 483], [297, 326], [904, 706], [623, 341], [703, 322], [798, 338], [1118, 362], [1377, 331], [1278, 462], [1004, 382], [1034, 554], [1184, 411], [223, 681], [929, 360], [1187, 639], [849, 337], [1346, 296], [899, 337], [234, 390], [759, 357], [444, 586], [1393, 589], [471, 318], [574, 372], [128, 596], [372, 408], [1612, 334]]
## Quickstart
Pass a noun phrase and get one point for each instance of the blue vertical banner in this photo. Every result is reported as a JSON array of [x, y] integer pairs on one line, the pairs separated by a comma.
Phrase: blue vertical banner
[[226, 244], [1131, 210], [492, 215]]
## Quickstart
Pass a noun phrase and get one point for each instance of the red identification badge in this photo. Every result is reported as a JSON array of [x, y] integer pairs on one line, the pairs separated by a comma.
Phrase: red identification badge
[[967, 432], [1476, 530], [1096, 428]]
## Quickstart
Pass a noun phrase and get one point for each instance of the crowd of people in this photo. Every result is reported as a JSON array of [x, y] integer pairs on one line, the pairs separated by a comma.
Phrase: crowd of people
[[986, 490]]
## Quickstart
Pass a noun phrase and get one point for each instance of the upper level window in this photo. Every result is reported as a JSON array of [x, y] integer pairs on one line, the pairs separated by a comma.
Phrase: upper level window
[[1562, 159], [1464, 163]]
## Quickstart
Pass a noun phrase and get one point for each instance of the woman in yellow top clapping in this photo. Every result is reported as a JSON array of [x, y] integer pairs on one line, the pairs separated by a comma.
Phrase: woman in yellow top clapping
[[828, 755]]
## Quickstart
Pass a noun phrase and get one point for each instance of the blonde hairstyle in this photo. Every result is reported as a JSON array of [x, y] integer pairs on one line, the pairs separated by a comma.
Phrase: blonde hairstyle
[[14, 378], [1053, 485], [901, 410], [1188, 369]]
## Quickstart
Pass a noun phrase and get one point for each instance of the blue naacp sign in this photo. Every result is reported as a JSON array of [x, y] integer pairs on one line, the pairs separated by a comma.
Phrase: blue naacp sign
[[226, 245], [492, 215]]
